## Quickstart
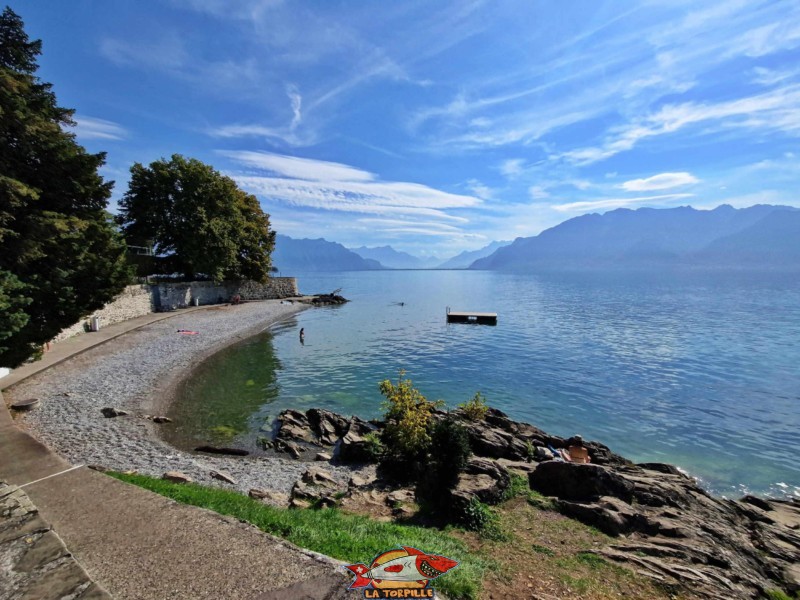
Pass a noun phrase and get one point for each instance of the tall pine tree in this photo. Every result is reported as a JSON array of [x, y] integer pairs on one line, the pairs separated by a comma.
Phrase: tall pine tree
[[60, 255]]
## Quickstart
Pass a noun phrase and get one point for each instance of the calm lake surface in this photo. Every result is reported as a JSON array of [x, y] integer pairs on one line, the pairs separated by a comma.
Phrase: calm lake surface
[[701, 370]]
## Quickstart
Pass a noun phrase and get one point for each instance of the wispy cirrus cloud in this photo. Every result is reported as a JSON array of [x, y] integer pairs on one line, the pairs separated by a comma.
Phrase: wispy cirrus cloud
[[662, 181], [610, 203], [777, 110], [769, 77], [250, 10], [170, 52], [330, 186], [90, 128]]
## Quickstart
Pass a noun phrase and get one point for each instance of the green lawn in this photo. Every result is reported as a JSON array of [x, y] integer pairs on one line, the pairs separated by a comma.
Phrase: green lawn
[[351, 538]]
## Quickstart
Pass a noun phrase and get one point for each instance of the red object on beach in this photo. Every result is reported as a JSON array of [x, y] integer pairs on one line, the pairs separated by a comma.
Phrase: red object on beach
[[187, 332]]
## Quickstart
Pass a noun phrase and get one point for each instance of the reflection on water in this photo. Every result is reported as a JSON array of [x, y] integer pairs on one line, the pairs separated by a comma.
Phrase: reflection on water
[[697, 369], [226, 399]]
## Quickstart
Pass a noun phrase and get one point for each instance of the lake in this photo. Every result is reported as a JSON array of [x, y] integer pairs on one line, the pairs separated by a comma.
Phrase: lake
[[696, 369]]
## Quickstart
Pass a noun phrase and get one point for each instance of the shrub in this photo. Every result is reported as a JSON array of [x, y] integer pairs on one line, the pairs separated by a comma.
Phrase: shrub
[[479, 517], [374, 448], [408, 415], [476, 408], [447, 456]]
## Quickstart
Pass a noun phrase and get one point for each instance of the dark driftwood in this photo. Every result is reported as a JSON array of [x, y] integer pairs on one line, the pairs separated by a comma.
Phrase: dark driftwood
[[216, 450]]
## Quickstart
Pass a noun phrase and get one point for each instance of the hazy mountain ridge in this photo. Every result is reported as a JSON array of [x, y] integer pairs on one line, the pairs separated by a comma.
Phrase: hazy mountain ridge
[[466, 258], [390, 258], [317, 255], [684, 236]]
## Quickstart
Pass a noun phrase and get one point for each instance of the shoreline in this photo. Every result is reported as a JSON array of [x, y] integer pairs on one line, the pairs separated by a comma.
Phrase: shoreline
[[139, 372]]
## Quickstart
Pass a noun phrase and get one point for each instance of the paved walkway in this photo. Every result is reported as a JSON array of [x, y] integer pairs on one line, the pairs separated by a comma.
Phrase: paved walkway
[[137, 544]]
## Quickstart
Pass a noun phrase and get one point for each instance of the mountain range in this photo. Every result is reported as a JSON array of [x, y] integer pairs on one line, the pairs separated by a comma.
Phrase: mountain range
[[466, 258], [761, 236], [317, 255], [395, 259]]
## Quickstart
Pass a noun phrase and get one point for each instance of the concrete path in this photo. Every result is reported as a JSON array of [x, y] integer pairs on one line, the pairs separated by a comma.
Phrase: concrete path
[[136, 544]]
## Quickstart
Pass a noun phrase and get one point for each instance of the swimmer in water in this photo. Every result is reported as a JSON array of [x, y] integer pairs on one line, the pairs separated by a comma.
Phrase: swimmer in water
[[302, 335]]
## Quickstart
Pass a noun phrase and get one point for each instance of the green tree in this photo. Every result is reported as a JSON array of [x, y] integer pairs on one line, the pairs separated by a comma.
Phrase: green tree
[[60, 256], [199, 218]]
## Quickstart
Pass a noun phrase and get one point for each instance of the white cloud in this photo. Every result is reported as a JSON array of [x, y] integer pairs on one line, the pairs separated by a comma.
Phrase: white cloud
[[775, 110], [297, 102], [513, 167], [283, 134], [401, 223], [482, 191], [329, 186], [610, 203], [662, 181], [767, 39], [89, 128], [164, 52], [299, 168], [235, 9], [537, 192], [770, 77]]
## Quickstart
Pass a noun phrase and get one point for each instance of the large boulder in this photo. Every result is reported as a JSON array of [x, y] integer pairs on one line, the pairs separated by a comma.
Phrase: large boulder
[[326, 425], [579, 482], [352, 447], [294, 426], [492, 442], [482, 479], [610, 515]]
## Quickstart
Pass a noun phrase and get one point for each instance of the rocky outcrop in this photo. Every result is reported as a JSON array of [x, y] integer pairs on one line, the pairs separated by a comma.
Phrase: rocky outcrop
[[328, 299], [315, 489], [352, 448], [571, 481], [497, 436], [326, 425], [482, 479], [298, 431], [665, 526], [673, 531]]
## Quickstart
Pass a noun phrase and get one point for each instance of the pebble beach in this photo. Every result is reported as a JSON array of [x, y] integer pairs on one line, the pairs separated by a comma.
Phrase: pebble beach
[[137, 373]]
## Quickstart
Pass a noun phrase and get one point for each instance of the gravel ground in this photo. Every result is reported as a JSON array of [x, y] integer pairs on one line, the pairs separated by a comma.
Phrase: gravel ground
[[137, 373]]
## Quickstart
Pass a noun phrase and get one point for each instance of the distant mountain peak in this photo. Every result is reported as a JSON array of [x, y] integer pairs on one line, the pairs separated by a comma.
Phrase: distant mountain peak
[[682, 236], [318, 254]]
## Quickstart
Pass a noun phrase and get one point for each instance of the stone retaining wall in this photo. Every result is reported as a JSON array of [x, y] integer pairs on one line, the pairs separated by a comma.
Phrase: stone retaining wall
[[138, 300], [134, 301], [175, 295]]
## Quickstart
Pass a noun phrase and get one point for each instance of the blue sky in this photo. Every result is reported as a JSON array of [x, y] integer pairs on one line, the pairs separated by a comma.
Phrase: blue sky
[[438, 127]]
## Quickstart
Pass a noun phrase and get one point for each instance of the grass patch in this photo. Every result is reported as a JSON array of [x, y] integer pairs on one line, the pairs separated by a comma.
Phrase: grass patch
[[542, 550], [550, 555], [351, 538], [776, 594]]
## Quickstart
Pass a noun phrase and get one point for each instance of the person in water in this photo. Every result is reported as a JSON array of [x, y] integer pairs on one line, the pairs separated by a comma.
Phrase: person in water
[[302, 335]]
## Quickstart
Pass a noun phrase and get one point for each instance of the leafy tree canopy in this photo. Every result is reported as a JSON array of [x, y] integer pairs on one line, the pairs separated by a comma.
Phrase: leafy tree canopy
[[60, 256], [199, 218]]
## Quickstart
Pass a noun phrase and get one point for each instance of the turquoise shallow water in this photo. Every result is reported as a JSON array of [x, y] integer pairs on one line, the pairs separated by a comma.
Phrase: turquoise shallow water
[[696, 369]]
